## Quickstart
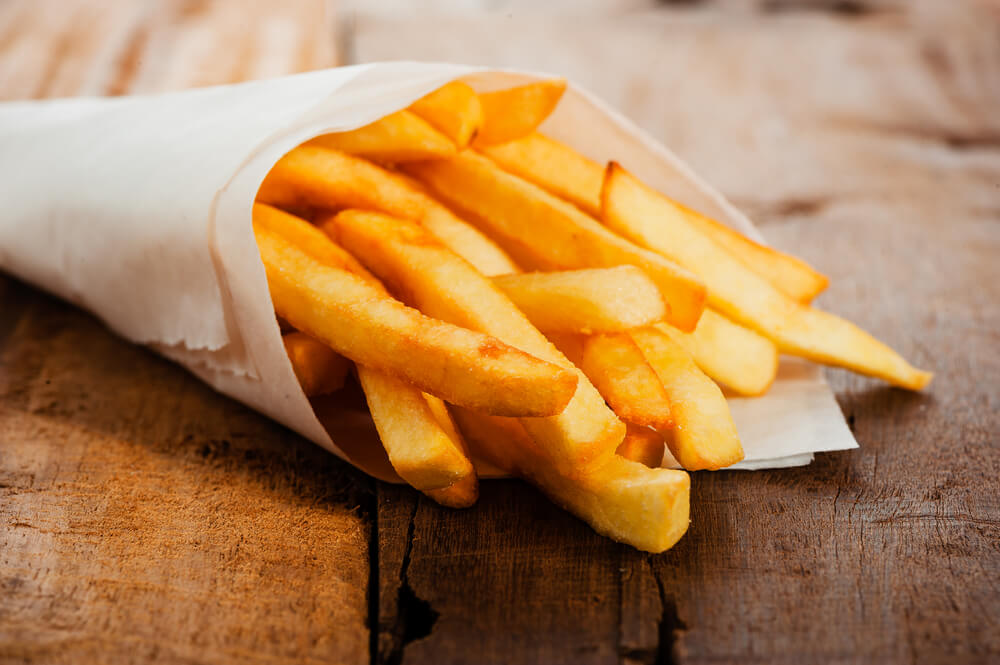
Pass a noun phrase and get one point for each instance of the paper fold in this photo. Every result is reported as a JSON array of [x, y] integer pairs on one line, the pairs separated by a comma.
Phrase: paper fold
[[138, 209]]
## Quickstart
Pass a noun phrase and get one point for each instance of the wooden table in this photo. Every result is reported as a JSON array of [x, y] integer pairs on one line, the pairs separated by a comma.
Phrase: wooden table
[[144, 518]]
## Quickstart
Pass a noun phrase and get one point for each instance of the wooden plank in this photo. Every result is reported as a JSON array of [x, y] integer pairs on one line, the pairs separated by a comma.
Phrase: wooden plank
[[865, 141], [887, 553], [58, 48], [512, 579], [144, 518], [210, 42]]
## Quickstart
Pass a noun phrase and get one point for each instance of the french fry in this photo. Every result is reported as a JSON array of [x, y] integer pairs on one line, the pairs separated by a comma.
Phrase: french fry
[[421, 451], [454, 110], [739, 358], [570, 345], [440, 411], [585, 301], [554, 167], [555, 234], [319, 369], [314, 176], [613, 323], [649, 219], [789, 274], [441, 284], [642, 445], [703, 435], [464, 492], [311, 240], [430, 448], [624, 500], [619, 371], [569, 175], [686, 408], [515, 112], [399, 137], [504, 443], [357, 320]]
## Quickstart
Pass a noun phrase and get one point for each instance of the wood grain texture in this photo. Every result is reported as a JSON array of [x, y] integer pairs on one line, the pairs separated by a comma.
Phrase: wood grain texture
[[58, 48], [512, 579], [144, 518], [865, 140]]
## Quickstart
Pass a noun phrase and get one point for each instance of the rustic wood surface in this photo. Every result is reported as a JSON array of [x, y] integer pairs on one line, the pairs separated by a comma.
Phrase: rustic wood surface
[[144, 518]]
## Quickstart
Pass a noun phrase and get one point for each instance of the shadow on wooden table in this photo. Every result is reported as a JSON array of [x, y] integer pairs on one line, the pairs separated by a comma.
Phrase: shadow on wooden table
[[137, 502], [879, 401], [62, 365]]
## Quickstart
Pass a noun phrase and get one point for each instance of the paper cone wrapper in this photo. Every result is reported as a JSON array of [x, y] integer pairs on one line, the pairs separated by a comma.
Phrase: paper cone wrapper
[[138, 209]]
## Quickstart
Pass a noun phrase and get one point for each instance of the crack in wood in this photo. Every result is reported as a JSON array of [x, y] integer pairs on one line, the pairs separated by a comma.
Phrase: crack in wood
[[415, 618], [945, 517], [959, 139], [641, 655], [620, 602], [971, 140], [801, 206], [843, 8], [372, 622], [839, 8], [671, 626], [917, 607]]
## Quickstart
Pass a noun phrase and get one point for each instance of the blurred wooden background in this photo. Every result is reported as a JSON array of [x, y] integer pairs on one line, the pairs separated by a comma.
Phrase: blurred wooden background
[[144, 518]]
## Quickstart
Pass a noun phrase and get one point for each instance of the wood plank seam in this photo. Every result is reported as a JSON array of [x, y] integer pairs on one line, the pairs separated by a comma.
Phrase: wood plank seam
[[415, 618], [671, 627], [373, 620]]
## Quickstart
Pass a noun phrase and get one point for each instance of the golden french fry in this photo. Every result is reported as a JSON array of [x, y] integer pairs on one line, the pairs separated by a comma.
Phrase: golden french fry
[[319, 369], [646, 217], [504, 443], [330, 179], [789, 274], [585, 301], [554, 167], [515, 112], [440, 412], [703, 435], [570, 345], [402, 136], [359, 321], [423, 453], [464, 492], [624, 500], [434, 280], [454, 110], [569, 175], [311, 240], [619, 371], [528, 221], [642, 445], [737, 357]]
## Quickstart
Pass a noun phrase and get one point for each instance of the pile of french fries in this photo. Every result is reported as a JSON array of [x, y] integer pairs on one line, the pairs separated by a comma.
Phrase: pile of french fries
[[501, 298]]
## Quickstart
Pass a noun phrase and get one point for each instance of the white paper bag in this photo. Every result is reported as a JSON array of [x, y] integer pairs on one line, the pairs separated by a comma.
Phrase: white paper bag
[[139, 210]]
